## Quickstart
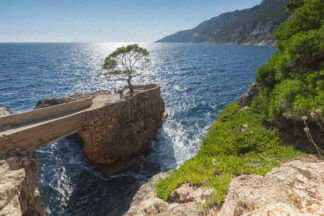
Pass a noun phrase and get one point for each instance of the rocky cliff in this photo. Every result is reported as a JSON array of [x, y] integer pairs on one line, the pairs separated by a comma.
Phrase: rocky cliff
[[295, 188], [253, 26]]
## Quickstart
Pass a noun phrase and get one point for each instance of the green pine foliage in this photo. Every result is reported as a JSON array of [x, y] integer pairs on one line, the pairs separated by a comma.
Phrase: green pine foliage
[[292, 83]]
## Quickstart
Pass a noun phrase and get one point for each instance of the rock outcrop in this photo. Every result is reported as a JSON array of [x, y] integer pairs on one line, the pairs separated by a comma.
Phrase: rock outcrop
[[246, 99], [116, 133], [19, 177], [185, 200], [18, 187], [296, 188]]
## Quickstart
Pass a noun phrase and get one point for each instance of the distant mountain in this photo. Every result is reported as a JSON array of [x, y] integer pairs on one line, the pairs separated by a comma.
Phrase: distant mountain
[[253, 26]]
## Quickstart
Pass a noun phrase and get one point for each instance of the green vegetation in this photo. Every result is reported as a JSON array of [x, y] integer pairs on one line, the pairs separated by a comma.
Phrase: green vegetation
[[125, 63], [292, 83], [254, 140], [252, 26], [238, 143], [270, 13]]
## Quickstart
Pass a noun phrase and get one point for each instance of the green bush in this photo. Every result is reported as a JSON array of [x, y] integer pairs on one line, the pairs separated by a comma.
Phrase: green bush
[[292, 81]]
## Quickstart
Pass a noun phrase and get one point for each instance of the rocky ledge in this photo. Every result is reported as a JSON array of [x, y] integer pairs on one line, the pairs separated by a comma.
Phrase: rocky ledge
[[295, 188]]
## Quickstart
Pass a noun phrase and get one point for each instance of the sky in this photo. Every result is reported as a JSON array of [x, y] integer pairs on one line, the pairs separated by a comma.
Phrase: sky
[[106, 20]]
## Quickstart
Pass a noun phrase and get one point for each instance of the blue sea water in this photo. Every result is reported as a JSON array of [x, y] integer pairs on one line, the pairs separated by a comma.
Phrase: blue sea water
[[197, 82]]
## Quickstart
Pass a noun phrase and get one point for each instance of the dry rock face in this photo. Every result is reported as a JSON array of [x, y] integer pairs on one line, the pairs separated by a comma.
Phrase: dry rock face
[[19, 177], [183, 201], [246, 99], [18, 187], [296, 188]]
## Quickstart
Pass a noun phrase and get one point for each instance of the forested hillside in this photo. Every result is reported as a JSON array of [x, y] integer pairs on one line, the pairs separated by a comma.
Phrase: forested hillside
[[254, 26]]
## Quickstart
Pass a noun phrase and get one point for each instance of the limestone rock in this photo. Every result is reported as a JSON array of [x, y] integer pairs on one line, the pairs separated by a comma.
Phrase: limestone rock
[[296, 188], [187, 193], [145, 203], [246, 99], [18, 186]]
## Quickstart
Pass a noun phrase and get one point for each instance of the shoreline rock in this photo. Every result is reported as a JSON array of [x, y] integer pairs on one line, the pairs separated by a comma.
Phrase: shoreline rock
[[295, 188]]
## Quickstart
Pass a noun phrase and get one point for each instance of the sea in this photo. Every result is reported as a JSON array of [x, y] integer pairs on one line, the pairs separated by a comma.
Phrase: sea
[[197, 82]]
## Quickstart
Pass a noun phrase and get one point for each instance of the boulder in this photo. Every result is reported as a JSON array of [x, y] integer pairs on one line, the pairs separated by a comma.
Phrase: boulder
[[296, 188], [246, 99], [190, 193]]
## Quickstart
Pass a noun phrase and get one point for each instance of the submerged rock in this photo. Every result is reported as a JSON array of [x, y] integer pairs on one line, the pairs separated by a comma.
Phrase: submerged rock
[[296, 188]]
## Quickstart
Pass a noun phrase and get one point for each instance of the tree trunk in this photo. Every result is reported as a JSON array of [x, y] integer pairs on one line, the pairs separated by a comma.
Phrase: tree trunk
[[131, 92]]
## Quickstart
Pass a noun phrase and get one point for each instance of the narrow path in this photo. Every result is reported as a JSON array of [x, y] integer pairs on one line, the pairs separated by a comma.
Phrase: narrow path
[[98, 101]]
